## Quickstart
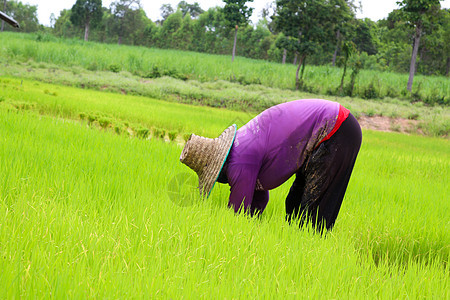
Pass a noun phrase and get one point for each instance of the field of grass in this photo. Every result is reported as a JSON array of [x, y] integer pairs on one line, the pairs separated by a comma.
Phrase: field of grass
[[245, 101], [153, 63], [86, 212]]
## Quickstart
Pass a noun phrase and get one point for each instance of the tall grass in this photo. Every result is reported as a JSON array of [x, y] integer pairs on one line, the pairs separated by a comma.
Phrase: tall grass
[[120, 112], [149, 62], [85, 213]]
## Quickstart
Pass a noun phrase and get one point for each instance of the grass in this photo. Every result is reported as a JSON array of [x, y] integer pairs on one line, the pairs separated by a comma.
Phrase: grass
[[89, 213], [149, 62], [246, 100]]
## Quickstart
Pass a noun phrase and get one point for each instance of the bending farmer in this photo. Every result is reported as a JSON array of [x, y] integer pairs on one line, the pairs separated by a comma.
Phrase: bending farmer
[[317, 140]]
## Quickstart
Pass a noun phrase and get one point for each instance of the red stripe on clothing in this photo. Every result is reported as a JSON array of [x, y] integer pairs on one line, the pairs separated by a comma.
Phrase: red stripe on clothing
[[343, 114]]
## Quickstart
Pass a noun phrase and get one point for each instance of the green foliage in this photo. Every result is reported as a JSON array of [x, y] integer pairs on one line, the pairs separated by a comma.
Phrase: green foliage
[[186, 136], [24, 14], [194, 10], [387, 42], [76, 57], [160, 133], [169, 28], [86, 12], [97, 215], [237, 12], [113, 67], [370, 92], [127, 23], [172, 135], [104, 122], [142, 132], [309, 26]]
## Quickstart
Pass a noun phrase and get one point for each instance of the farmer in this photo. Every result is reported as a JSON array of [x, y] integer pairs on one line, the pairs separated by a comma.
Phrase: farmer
[[317, 140]]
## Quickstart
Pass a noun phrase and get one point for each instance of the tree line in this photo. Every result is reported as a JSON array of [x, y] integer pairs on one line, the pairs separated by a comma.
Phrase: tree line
[[289, 31]]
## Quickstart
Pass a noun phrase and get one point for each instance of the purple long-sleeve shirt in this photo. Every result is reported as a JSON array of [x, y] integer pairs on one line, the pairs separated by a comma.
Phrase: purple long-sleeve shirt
[[271, 147]]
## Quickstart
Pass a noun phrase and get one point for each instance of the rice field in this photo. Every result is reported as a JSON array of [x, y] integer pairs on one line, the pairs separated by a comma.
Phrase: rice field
[[150, 62], [86, 212]]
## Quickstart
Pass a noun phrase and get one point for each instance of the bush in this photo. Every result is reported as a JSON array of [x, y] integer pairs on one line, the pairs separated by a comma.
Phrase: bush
[[93, 66], [114, 68], [370, 92], [154, 73]]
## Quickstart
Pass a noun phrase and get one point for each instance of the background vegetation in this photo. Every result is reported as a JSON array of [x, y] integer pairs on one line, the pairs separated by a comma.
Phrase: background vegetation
[[154, 63], [384, 45]]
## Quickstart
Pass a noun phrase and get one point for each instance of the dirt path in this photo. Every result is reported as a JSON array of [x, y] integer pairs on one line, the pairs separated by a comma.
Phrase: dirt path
[[389, 124]]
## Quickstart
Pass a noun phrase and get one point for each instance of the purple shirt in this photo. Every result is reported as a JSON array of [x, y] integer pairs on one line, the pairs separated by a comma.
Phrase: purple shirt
[[271, 147]]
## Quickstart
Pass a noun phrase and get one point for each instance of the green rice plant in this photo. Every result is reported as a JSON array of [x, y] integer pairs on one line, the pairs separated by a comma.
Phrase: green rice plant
[[143, 111], [159, 133], [119, 129], [172, 135], [142, 132], [104, 122], [186, 136], [91, 118], [90, 214]]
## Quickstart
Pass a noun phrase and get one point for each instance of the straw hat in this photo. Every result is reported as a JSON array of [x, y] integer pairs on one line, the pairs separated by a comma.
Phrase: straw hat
[[207, 156]]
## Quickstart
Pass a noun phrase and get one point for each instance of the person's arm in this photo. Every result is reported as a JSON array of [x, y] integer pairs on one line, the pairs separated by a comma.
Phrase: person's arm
[[242, 187], [260, 200]]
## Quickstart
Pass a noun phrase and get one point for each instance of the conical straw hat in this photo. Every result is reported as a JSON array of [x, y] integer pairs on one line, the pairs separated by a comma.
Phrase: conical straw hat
[[207, 156]]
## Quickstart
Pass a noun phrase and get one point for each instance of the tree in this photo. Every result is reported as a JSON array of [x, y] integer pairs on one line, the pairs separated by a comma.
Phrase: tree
[[194, 10], [434, 47], [4, 9], [416, 13], [209, 31], [151, 34], [129, 20], [304, 23], [349, 48], [63, 27], [166, 10], [341, 14], [52, 20], [236, 14], [446, 38], [85, 13], [364, 37], [182, 38], [24, 14]]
